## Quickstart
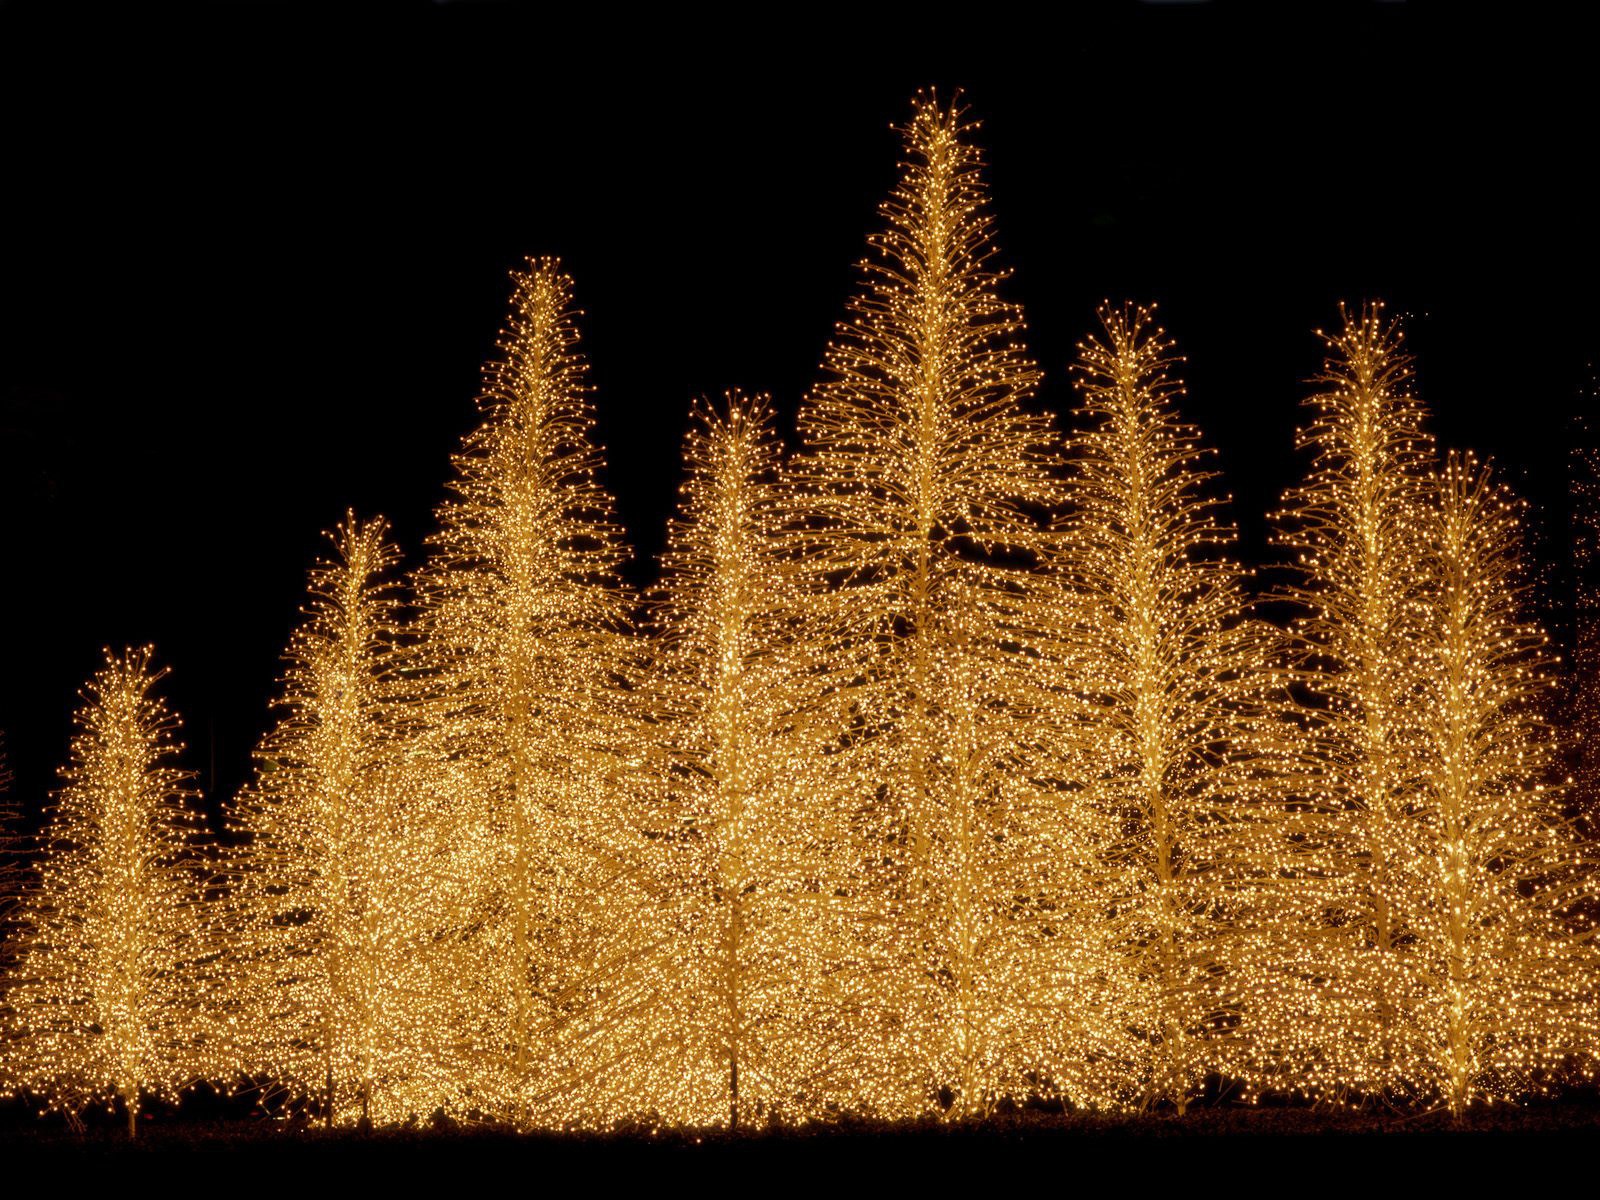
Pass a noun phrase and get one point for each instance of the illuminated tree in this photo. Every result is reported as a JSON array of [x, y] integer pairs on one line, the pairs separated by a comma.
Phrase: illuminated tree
[[105, 994], [923, 472], [1498, 970], [524, 627], [718, 1013], [1359, 529], [1171, 672], [338, 883]]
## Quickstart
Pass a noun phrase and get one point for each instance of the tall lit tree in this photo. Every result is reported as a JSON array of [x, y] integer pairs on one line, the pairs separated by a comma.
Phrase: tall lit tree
[[524, 627], [339, 882], [1500, 971], [924, 471], [1172, 675], [1358, 527], [105, 995]]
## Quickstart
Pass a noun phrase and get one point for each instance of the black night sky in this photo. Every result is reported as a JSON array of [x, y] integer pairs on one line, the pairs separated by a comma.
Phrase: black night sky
[[252, 258]]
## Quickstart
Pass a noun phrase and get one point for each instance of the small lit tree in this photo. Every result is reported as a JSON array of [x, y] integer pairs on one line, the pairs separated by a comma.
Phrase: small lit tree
[[1358, 530], [104, 996], [719, 1010], [339, 878]]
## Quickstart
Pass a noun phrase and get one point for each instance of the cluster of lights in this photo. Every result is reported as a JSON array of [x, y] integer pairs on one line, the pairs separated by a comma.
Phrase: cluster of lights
[[919, 479], [725, 1001], [114, 934], [1500, 957], [1431, 943], [905, 798], [1169, 686], [1356, 530], [335, 901], [522, 642]]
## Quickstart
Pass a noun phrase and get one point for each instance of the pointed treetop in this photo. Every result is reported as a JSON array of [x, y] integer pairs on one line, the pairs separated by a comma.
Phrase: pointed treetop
[[1367, 351], [938, 223], [361, 547], [1134, 347], [930, 357], [537, 341], [122, 688]]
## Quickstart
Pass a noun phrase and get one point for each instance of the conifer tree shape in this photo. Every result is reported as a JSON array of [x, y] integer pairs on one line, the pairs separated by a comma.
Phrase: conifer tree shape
[[339, 881], [524, 624], [105, 995], [1171, 669], [724, 1027], [921, 470], [1359, 528], [1500, 972]]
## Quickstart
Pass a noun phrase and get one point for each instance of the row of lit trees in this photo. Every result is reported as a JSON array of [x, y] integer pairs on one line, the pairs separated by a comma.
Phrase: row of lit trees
[[949, 765]]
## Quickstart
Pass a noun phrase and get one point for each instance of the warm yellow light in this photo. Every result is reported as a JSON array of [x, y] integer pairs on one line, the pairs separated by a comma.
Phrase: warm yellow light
[[947, 764]]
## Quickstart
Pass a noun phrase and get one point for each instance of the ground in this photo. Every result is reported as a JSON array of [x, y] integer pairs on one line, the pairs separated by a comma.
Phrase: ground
[[1534, 1148]]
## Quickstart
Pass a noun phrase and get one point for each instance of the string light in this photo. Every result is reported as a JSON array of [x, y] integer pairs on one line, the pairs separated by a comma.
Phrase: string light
[[1356, 531], [950, 768], [1421, 898], [921, 475], [1169, 675], [1499, 962], [108, 995], [338, 891], [1584, 695], [13, 866], [523, 637], [718, 1004]]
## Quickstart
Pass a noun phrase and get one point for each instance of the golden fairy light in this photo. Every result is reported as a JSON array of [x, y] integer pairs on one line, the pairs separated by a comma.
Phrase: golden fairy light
[[1357, 532], [1583, 693], [716, 1007], [337, 886], [106, 997], [921, 473], [948, 768], [1496, 969], [1169, 680], [1436, 946], [524, 637], [11, 839]]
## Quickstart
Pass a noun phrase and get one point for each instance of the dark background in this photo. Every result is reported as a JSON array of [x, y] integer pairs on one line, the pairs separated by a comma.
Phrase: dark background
[[253, 255]]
